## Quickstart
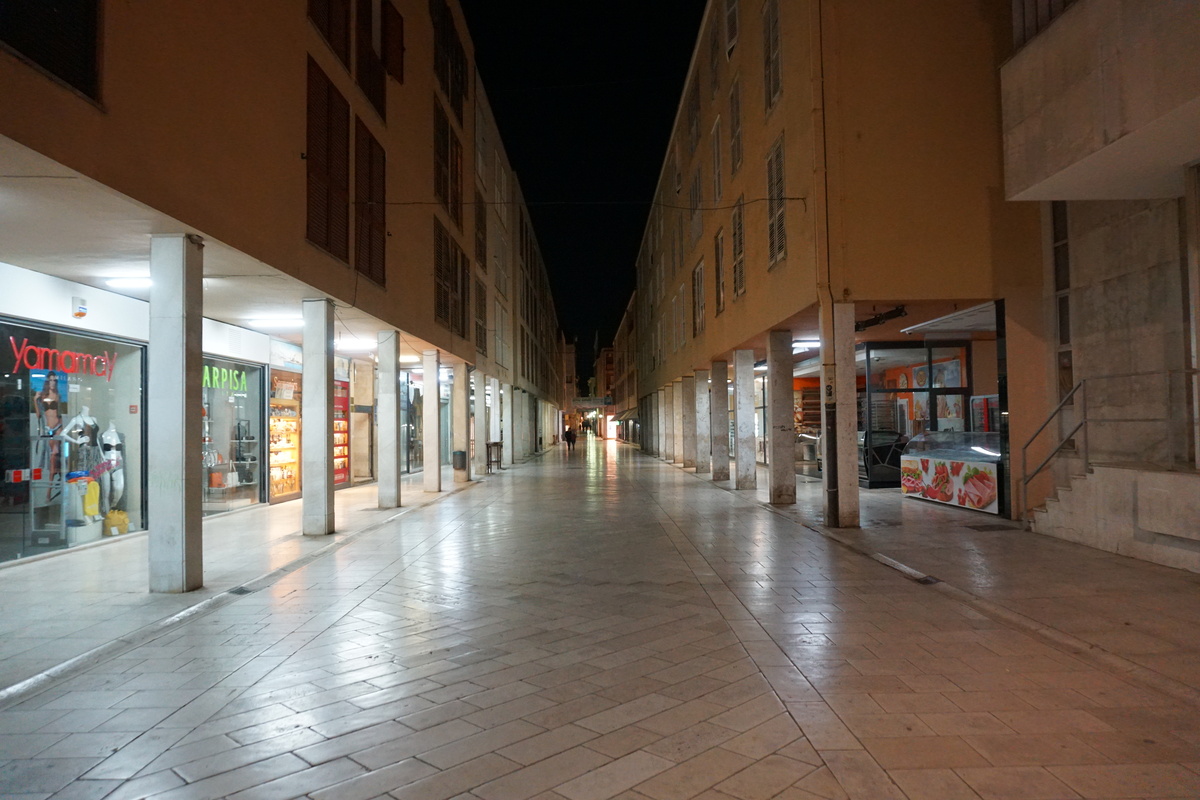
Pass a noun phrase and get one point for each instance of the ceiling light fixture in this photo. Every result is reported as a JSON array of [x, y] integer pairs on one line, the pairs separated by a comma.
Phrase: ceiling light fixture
[[129, 283], [280, 324]]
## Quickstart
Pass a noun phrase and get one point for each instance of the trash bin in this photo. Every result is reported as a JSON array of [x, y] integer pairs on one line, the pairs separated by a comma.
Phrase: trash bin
[[460, 459]]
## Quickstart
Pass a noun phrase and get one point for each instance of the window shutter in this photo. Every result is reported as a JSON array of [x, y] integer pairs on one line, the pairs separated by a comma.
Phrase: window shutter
[[393, 41], [441, 155], [481, 339], [455, 178], [775, 204], [339, 175], [317, 156], [731, 24], [369, 205], [441, 274]]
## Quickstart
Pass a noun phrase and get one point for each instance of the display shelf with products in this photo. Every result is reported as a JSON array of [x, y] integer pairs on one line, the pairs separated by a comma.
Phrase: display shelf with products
[[284, 448], [341, 432]]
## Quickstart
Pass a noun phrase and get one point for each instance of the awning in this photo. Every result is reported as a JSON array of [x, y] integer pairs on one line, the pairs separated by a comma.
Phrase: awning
[[626, 415]]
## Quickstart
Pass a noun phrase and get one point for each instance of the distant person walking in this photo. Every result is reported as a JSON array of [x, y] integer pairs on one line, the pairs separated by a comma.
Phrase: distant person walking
[[569, 438]]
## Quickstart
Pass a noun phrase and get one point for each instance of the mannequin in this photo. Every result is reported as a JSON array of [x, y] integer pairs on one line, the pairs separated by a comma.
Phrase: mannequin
[[82, 431], [47, 446], [112, 480]]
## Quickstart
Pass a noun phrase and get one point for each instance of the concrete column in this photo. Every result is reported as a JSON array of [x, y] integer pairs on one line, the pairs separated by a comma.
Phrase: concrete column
[[494, 411], [661, 401], [677, 422], [175, 415], [316, 420], [460, 419], [1191, 209], [703, 425], [520, 425], [431, 406], [687, 397], [479, 421], [781, 425], [508, 424], [719, 406], [839, 416], [743, 419], [387, 424]]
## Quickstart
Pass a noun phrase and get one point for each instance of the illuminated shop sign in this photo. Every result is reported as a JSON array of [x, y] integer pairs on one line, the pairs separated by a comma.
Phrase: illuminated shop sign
[[69, 361], [233, 380]]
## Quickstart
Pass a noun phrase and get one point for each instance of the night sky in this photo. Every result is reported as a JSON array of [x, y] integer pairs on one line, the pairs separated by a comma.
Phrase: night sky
[[584, 93]]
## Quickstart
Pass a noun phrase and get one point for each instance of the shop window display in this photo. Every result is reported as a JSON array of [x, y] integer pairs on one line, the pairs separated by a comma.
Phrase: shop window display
[[284, 433], [70, 440], [232, 444]]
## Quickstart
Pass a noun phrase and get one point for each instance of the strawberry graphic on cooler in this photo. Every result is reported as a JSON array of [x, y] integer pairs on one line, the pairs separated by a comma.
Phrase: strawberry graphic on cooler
[[956, 468]]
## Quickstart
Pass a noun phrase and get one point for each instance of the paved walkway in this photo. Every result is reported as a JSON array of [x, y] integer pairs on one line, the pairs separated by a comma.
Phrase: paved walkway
[[601, 625]]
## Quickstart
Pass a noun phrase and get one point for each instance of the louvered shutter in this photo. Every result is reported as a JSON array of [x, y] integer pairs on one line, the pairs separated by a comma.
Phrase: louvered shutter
[[455, 178], [339, 29], [441, 274], [393, 41], [317, 156], [370, 204], [339, 175], [775, 204], [441, 156], [731, 23]]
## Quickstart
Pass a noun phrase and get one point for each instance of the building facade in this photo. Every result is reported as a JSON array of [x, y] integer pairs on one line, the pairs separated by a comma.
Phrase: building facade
[[830, 270], [1101, 102], [287, 249]]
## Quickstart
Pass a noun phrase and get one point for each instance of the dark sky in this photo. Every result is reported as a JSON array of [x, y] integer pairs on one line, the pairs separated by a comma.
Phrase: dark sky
[[584, 93]]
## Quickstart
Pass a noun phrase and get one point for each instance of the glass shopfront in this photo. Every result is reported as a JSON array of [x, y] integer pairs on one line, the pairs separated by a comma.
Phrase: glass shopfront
[[71, 439], [233, 452], [284, 435]]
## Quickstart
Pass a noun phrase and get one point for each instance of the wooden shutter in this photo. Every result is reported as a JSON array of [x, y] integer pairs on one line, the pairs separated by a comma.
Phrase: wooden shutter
[[731, 24], [369, 70], [481, 338], [777, 239], [441, 156], [455, 178], [393, 41], [442, 273], [464, 297], [481, 234], [739, 249], [317, 156], [370, 205], [339, 175]]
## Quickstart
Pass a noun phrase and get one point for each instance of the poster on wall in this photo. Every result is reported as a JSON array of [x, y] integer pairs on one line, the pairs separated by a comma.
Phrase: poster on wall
[[967, 484]]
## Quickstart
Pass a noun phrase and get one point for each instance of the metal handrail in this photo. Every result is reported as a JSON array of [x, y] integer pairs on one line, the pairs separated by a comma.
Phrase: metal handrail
[[1080, 388]]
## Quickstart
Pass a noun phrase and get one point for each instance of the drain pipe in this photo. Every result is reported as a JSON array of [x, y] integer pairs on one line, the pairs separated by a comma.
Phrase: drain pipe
[[825, 299]]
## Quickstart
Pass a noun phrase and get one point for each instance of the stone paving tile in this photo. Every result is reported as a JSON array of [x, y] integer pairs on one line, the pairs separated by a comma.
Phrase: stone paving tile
[[689, 644]]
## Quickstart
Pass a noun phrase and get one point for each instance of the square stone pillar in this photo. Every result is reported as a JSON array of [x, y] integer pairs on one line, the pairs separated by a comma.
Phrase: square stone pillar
[[669, 417], [687, 396], [431, 420], [1191, 213], [718, 398], [479, 421], [839, 416], [508, 412], [703, 425], [781, 424], [388, 427], [460, 420], [316, 420], [743, 420], [494, 411], [677, 421], [175, 414], [660, 417]]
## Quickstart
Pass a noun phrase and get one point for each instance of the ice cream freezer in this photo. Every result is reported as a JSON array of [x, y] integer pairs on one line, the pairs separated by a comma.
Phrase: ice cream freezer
[[957, 468]]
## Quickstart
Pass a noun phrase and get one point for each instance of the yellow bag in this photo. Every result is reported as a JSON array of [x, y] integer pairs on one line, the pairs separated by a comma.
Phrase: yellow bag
[[116, 523], [91, 500]]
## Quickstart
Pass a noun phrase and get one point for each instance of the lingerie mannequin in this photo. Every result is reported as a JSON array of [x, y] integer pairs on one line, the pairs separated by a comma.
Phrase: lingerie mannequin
[[83, 432], [112, 480], [47, 447]]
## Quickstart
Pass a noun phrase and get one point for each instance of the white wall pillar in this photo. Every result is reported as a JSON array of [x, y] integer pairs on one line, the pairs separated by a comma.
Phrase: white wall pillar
[[479, 421], [781, 424], [520, 425], [839, 417], [175, 413], [316, 419], [387, 423], [669, 397], [718, 398], [508, 423], [743, 419], [431, 420], [703, 424], [494, 411], [687, 387], [677, 421], [460, 419], [661, 401]]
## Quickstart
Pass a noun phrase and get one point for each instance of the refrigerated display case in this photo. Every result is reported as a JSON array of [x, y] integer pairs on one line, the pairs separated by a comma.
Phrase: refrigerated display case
[[958, 468]]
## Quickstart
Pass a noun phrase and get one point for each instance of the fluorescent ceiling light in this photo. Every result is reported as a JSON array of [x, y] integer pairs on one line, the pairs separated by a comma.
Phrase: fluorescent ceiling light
[[806, 344], [410, 359], [986, 452], [280, 324], [350, 344], [129, 283], [762, 368]]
